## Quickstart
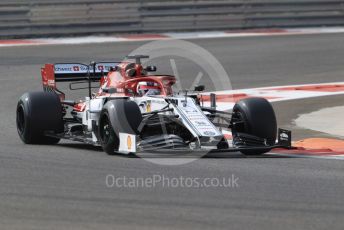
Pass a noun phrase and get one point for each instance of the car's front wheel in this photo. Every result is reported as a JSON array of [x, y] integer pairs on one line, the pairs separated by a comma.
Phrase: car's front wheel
[[256, 117], [118, 116], [108, 138]]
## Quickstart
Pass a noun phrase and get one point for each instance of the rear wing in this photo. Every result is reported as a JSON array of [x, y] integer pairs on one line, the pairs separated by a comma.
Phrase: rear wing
[[70, 72]]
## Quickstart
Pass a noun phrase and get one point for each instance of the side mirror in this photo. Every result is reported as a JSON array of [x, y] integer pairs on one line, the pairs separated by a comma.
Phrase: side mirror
[[199, 88], [151, 68]]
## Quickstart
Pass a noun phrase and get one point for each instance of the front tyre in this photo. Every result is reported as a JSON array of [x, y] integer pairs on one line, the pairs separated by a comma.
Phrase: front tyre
[[108, 139], [256, 117], [38, 112], [118, 116]]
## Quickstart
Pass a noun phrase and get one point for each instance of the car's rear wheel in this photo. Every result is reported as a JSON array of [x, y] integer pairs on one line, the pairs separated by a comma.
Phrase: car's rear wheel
[[256, 117], [37, 113]]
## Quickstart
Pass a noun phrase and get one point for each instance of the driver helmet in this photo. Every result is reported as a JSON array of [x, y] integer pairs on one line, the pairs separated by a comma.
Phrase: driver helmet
[[148, 88]]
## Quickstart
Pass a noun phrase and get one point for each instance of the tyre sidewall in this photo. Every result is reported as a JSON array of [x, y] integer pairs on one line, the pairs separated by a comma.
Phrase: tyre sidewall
[[124, 116], [42, 112], [259, 118]]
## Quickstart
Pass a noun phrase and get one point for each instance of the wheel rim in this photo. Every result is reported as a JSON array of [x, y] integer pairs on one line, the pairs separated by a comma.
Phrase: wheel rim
[[238, 118], [105, 130], [20, 120]]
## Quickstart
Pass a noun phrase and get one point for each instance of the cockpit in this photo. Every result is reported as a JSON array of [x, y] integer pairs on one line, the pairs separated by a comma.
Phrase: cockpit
[[132, 79]]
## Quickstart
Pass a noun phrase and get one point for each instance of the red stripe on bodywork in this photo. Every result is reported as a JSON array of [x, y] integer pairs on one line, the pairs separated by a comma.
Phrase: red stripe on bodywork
[[228, 136]]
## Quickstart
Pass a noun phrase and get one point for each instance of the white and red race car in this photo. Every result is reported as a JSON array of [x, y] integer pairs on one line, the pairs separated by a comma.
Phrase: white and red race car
[[134, 111]]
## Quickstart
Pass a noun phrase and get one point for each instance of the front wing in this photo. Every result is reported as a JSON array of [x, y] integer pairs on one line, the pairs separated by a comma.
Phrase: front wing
[[130, 144]]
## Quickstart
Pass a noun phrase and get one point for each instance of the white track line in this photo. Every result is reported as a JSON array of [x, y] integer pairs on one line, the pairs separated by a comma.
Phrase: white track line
[[278, 93], [326, 157]]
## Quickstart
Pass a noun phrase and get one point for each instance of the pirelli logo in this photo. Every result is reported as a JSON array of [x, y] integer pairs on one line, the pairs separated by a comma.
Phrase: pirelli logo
[[129, 142]]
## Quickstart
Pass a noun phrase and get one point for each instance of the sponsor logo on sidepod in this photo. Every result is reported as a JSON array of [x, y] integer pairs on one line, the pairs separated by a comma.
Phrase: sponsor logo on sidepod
[[209, 133]]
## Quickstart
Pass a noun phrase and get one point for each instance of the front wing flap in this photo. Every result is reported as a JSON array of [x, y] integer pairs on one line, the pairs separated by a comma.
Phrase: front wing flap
[[130, 144]]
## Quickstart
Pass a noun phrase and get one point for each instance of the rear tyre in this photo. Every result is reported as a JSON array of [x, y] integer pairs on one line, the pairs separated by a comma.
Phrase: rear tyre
[[258, 119], [38, 112]]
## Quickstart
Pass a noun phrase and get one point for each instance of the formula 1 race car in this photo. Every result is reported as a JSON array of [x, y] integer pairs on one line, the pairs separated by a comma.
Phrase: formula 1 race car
[[134, 111]]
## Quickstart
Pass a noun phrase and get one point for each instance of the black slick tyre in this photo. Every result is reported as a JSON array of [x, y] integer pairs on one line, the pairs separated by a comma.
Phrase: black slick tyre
[[257, 119], [37, 113]]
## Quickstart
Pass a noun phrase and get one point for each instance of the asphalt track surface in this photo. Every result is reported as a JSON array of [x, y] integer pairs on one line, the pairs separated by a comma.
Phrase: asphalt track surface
[[63, 187]]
